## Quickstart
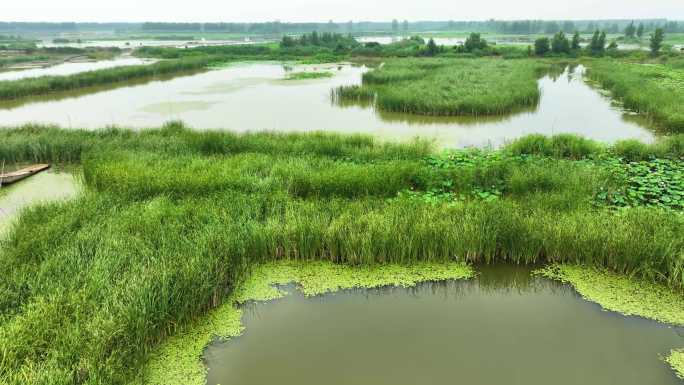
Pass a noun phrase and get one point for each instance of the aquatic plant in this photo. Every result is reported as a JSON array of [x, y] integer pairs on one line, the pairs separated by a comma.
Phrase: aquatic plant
[[308, 75], [655, 90], [13, 89], [450, 87], [676, 360], [172, 222], [177, 362], [621, 293]]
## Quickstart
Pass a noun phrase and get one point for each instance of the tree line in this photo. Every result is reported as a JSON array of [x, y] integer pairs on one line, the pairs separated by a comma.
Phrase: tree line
[[597, 45]]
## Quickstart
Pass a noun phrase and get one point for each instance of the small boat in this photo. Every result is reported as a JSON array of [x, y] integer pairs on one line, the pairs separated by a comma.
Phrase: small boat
[[15, 176]]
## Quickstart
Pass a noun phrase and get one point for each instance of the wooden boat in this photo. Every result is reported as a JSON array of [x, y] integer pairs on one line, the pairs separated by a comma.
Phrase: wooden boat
[[16, 176]]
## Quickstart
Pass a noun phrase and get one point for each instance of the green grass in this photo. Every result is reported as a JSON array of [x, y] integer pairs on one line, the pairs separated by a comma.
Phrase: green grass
[[450, 86], [14, 89], [308, 75], [172, 222], [655, 90]]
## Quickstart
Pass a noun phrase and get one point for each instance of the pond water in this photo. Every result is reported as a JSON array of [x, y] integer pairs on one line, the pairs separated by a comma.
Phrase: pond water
[[254, 97], [71, 68], [504, 327], [47, 186]]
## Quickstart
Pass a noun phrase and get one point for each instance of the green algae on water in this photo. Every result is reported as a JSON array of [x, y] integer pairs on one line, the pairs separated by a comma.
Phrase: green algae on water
[[178, 362], [622, 294], [676, 360]]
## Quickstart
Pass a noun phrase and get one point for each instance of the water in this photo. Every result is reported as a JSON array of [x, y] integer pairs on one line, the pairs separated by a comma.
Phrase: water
[[136, 43], [44, 187], [503, 328], [71, 68], [253, 97]]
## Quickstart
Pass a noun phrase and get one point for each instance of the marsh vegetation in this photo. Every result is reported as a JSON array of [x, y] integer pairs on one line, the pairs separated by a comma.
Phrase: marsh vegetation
[[125, 282]]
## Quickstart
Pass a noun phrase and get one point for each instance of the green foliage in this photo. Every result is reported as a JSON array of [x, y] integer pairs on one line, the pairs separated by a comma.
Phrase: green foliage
[[657, 183], [656, 41], [576, 40], [560, 146], [597, 45], [451, 87], [560, 44], [173, 221], [475, 42], [654, 90], [308, 75], [541, 46], [14, 89]]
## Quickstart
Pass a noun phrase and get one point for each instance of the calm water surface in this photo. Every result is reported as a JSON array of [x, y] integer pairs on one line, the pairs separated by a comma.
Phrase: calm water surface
[[502, 328], [71, 68], [254, 97], [44, 187]]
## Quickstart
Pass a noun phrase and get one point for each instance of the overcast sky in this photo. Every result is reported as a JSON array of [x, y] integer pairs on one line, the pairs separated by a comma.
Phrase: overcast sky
[[341, 10]]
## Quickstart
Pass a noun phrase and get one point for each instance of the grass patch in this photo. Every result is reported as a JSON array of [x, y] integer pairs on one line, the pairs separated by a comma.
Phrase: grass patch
[[308, 75], [177, 362], [14, 89], [655, 90], [445, 87]]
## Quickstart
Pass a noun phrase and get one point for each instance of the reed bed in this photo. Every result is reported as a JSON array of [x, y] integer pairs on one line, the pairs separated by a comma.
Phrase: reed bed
[[14, 89], [172, 220], [654, 90], [445, 87]]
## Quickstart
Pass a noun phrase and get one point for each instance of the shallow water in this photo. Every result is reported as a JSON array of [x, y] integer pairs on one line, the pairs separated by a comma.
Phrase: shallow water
[[502, 328], [44, 187], [71, 68], [254, 97]]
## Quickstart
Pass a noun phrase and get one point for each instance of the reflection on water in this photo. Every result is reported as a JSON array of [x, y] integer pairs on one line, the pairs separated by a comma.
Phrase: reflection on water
[[254, 97], [504, 327], [46, 186], [71, 68]]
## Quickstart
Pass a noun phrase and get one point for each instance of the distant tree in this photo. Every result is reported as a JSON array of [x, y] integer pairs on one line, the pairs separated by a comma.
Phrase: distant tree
[[630, 31], [576, 39], [331, 26], [560, 43], [615, 28], [474, 42], [432, 49], [597, 46], [541, 46], [640, 30], [395, 25], [406, 26], [657, 41], [350, 26], [287, 42]]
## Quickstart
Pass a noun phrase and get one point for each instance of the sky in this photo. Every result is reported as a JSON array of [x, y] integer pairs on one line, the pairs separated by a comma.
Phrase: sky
[[339, 11]]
